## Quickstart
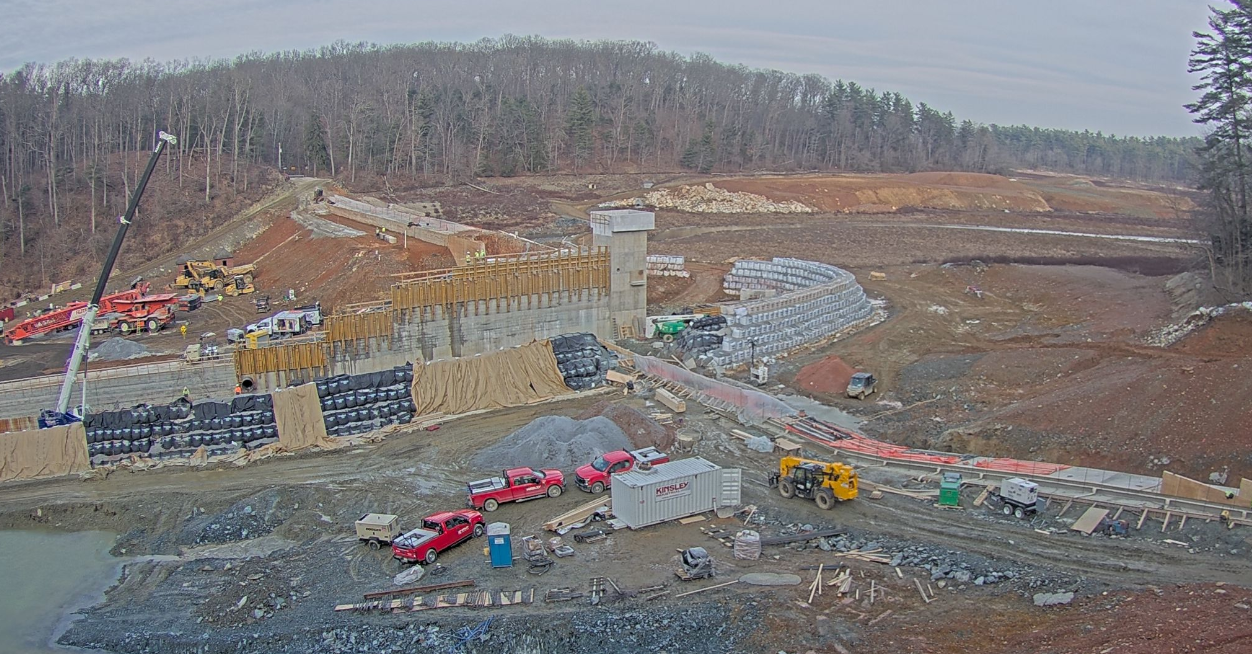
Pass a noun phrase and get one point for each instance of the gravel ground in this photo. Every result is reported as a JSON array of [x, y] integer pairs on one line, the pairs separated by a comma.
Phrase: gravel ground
[[554, 442], [118, 349]]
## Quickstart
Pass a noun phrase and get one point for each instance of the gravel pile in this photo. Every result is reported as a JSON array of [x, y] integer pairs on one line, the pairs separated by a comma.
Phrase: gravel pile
[[118, 349], [252, 517], [554, 442], [711, 199]]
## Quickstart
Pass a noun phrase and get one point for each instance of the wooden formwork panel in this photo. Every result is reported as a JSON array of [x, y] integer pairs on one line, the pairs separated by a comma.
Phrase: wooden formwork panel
[[287, 358], [354, 327], [505, 281]]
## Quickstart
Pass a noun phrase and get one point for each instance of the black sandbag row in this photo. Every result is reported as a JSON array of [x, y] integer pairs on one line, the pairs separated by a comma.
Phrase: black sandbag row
[[583, 362], [142, 414], [344, 384], [701, 336], [247, 420], [355, 404]]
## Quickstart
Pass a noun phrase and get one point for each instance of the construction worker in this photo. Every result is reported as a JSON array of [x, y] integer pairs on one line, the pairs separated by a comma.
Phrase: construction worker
[[183, 329], [186, 393], [238, 389]]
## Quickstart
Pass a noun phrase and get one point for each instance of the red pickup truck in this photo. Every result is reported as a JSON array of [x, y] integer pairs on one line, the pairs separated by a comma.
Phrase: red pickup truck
[[437, 533], [597, 475], [517, 485]]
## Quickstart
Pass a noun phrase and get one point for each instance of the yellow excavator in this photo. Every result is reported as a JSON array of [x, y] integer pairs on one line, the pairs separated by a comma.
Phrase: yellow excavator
[[205, 276], [822, 482]]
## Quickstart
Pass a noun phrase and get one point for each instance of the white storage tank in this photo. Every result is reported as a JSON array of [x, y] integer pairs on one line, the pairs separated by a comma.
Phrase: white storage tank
[[673, 490]]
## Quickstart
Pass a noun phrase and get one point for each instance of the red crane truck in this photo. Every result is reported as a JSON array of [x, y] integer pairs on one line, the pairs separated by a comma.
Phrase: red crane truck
[[68, 316], [517, 485]]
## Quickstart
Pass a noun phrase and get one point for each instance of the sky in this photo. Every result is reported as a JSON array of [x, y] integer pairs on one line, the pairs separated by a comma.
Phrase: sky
[[1116, 66]]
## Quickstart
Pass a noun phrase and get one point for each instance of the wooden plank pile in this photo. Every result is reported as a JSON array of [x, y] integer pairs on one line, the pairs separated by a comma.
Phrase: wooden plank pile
[[464, 599]]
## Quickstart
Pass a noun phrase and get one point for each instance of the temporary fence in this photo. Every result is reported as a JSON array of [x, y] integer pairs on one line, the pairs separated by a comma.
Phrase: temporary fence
[[815, 301], [752, 406]]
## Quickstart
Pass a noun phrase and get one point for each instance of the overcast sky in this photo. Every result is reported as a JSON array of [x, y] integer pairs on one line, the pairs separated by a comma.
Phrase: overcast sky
[[1118, 66]]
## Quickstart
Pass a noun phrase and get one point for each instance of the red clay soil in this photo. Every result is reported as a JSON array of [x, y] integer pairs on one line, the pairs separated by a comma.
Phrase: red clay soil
[[1120, 408], [639, 428], [335, 271], [829, 376], [888, 193]]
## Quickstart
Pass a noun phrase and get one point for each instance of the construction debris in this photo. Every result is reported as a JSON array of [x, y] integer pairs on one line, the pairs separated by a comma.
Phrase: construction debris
[[796, 538], [710, 199]]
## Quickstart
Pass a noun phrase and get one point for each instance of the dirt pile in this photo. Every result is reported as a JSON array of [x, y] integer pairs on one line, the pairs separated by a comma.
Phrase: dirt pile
[[639, 428], [334, 270], [554, 442], [828, 376], [118, 349], [710, 199]]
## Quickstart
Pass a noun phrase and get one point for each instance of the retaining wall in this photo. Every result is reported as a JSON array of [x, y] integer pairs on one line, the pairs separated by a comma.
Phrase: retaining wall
[[814, 301], [122, 387]]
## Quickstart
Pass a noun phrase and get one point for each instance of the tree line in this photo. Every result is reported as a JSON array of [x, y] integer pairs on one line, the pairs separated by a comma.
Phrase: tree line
[[503, 107], [1223, 59]]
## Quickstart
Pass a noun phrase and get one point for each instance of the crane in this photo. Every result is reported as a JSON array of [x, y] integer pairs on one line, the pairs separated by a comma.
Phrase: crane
[[61, 414]]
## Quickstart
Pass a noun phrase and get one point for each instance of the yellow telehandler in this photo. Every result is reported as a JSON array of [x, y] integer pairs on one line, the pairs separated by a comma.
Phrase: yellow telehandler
[[822, 482]]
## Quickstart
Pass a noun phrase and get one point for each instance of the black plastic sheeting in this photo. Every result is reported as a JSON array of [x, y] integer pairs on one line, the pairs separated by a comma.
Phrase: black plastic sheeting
[[701, 336], [181, 428], [583, 362], [355, 404], [351, 404]]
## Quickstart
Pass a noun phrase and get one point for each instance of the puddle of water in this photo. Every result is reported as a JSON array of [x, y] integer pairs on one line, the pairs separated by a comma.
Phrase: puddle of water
[[48, 575], [822, 412]]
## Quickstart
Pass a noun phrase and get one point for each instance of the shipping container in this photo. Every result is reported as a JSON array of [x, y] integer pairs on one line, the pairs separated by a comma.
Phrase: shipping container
[[673, 490]]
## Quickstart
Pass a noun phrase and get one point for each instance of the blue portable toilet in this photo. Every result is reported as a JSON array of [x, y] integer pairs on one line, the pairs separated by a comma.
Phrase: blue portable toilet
[[500, 545]]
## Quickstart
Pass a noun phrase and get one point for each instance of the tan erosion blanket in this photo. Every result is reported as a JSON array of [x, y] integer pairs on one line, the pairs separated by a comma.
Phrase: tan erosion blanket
[[513, 377], [44, 452], [299, 416]]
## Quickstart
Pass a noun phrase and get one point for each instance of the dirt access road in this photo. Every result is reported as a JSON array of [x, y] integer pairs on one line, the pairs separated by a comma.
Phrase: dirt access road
[[274, 521]]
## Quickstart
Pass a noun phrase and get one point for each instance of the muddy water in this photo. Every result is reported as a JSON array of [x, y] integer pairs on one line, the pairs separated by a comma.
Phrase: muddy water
[[46, 576]]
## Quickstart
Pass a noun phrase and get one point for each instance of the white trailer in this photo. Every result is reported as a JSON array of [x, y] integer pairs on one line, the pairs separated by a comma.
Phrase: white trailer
[[669, 491]]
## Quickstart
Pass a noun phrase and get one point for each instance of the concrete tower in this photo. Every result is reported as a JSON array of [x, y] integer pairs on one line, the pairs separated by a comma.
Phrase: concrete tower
[[625, 233]]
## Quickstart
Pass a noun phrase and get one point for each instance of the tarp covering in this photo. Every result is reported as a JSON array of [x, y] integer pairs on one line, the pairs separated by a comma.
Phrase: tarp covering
[[298, 413], [513, 377], [44, 452]]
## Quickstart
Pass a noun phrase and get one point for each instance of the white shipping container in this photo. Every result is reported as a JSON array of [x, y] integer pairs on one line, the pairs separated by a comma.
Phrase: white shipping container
[[673, 490]]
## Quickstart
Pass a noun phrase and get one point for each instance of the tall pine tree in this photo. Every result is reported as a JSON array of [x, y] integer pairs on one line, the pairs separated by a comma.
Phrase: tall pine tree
[[1223, 58]]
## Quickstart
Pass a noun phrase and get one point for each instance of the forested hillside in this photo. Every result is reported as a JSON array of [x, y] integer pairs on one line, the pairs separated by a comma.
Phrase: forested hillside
[[497, 107]]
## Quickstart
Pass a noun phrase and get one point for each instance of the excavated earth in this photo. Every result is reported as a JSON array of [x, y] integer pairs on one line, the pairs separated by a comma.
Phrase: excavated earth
[[1041, 350]]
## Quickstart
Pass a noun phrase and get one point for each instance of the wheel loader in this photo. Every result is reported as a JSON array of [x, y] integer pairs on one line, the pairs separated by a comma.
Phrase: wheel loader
[[822, 482], [205, 276]]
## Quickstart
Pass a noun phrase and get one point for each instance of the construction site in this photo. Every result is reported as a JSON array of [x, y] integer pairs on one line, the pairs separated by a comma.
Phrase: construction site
[[986, 414]]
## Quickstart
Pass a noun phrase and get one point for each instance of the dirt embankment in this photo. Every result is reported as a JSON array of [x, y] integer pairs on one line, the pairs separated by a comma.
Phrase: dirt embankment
[[944, 191], [334, 270], [889, 193], [1050, 364]]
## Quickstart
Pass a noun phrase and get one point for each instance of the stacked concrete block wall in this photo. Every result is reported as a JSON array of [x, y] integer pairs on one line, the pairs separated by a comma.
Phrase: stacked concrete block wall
[[814, 301], [661, 265], [122, 387]]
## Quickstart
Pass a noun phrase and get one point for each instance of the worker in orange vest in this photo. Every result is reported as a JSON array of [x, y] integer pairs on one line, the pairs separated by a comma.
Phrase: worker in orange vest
[[238, 389]]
